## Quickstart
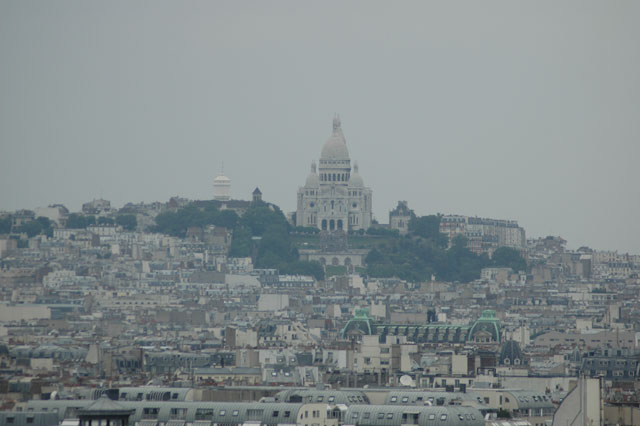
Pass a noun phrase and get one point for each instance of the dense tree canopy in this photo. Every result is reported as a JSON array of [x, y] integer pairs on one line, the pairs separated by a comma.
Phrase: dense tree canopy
[[5, 225], [79, 221], [428, 227], [509, 257], [423, 253], [261, 233], [127, 221], [177, 223], [41, 225], [103, 220]]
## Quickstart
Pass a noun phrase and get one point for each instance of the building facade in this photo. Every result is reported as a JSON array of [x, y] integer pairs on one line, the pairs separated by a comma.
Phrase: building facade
[[484, 235], [333, 197], [400, 216]]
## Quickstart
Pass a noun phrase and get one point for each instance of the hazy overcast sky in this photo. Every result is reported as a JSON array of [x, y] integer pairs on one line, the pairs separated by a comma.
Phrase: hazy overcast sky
[[517, 110]]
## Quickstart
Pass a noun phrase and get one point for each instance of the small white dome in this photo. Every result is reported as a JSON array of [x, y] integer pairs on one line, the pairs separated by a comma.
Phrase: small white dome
[[335, 148], [312, 179], [355, 180]]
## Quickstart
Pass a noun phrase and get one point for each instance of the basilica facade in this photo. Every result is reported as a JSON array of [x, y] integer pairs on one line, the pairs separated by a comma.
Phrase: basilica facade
[[334, 196]]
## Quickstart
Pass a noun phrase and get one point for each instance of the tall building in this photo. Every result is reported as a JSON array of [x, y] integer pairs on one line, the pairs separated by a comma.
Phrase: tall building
[[333, 198], [222, 188]]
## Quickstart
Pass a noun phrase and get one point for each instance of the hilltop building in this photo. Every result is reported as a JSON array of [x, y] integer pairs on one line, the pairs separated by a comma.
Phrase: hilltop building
[[334, 198], [484, 235], [400, 216], [222, 187]]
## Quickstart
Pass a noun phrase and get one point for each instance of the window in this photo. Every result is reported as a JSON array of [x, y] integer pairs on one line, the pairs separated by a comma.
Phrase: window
[[443, 417], [380, 416], [354, 416], [389, 416], [10, 420], [331, 399], [150, 412], [287, 414], [320, 398], [405, 399], [432, 416], [461, 417], [277, 413], [178, 413], [394, 398], [204, 414], [221, 413], [30, 419], [235, 413], [366, 415]]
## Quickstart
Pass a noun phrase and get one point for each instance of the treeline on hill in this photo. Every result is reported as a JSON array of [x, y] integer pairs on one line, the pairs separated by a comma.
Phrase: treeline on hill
[[262, 233], [423, 252], [42, 225], [80, 221]]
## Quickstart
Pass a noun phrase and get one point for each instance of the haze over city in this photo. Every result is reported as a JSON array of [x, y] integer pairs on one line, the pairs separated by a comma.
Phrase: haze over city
[[527, 111], [287, 213]]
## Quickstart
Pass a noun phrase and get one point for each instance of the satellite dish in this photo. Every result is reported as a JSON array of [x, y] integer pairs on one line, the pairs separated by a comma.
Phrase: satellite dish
[[407, 381]]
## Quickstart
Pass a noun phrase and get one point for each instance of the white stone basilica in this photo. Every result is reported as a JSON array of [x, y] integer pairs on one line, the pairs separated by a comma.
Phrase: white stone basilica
[[334, 198]]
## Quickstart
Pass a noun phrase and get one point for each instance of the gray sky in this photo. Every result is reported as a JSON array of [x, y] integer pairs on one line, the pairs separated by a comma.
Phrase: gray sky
[[515, 110]]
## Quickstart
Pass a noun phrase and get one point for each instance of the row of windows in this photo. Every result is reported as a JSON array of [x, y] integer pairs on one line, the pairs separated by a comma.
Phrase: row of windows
[[389, 416], [332, 398], [11, 420], [254, 414], [334, 177]]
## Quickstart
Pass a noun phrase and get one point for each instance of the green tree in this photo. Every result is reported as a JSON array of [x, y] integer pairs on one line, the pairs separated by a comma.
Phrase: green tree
[[41, 225], [226, 218], [78, 221], [31, 228], [383, 232], [127, 221], [261, 215], [5, 224], [103, 220], [428, 227], [312, 268], [275, 248], [47, 226], [510, 258], [241, 242]]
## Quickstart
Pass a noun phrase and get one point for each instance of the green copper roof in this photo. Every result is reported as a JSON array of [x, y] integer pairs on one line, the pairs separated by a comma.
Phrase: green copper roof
[[362, 323]]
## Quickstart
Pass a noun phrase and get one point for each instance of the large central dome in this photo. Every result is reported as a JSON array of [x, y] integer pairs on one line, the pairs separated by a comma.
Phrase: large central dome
[[335, 148]]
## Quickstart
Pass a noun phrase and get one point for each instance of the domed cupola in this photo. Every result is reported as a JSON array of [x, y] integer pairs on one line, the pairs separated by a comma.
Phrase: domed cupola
[[335, 148], [355, 181], [312, 179]]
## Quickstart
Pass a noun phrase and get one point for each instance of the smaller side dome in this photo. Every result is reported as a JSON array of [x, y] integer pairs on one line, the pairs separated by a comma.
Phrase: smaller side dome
[[355, 180], [312, 179]]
